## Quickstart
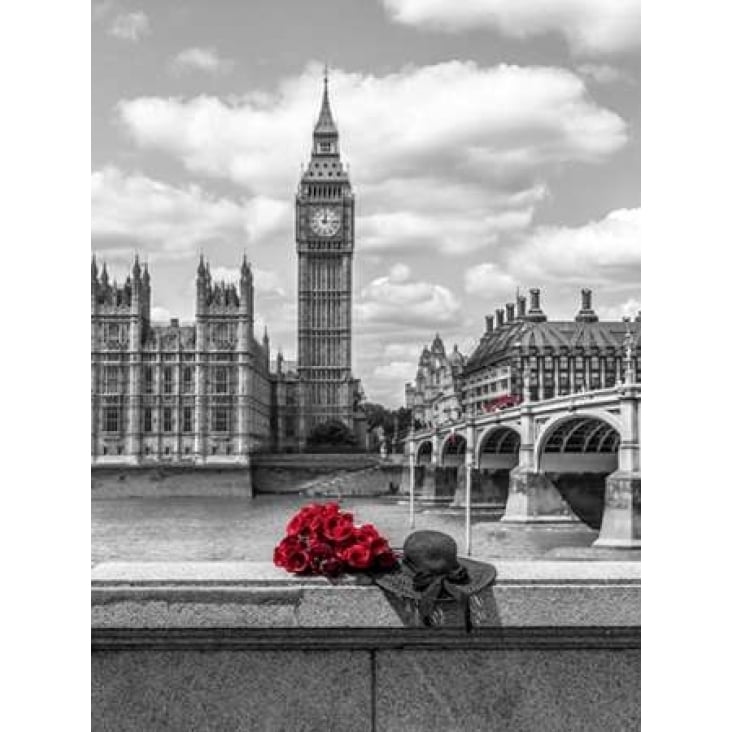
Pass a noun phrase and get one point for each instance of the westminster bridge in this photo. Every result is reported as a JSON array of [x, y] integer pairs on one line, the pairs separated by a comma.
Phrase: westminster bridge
[[549, 460]]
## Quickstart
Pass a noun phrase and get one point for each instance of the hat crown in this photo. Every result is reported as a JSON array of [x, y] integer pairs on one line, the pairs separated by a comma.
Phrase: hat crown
[[431, 551]]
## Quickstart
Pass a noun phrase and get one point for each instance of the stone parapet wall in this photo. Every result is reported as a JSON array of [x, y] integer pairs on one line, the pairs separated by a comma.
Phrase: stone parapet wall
[[246, 646], [171, 481], [323, 474]]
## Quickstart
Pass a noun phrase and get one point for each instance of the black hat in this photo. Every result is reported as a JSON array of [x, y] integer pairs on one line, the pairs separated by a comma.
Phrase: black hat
[[429, 571]]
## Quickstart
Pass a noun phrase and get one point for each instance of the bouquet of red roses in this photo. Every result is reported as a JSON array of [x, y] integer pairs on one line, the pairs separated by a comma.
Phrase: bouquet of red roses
[[322, 539]]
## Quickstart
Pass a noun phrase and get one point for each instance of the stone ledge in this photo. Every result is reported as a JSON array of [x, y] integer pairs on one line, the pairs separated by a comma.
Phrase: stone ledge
[[559, 597]]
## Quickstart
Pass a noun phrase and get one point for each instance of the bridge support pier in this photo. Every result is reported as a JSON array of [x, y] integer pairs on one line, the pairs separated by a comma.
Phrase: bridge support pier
[[484, 491], [621, 519], [533, 498]]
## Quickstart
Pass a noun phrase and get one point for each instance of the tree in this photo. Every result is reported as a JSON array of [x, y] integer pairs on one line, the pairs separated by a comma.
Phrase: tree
[[332, 433]]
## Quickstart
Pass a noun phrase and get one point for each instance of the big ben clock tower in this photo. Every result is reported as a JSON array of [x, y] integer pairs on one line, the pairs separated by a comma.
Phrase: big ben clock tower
[[324, 231]]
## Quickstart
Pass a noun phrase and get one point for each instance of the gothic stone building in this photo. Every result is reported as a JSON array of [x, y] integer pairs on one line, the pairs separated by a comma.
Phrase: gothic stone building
[[197, 393], [204, 392], [523, 355], [435, 397]]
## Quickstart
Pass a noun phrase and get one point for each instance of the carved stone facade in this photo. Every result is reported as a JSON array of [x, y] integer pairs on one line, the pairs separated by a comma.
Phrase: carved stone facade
[[435, 396], [197, 393]]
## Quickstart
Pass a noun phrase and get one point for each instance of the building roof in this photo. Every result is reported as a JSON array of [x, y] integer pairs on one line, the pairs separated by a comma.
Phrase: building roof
[[571, 335]]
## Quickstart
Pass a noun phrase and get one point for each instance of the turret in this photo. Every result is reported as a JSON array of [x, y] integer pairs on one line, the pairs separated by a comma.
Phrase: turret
[[520, 307], [246, 288], [535, 314], [104, 279], [586, 314], [202, 286], [94, 282]]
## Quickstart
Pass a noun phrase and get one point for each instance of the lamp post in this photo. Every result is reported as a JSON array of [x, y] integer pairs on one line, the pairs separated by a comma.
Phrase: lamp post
[[469, 448], [410, 451]]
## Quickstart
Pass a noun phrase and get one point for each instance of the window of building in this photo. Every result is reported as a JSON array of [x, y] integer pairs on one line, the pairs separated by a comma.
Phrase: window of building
[[167, 380], [147, 420], [167, 419], [111, 419], [221, 419], [187, 419], [167, 450], [187, 379], [221, 380], [148, 379], [111, 380], [289, 426], [563, 362], [594, 363]]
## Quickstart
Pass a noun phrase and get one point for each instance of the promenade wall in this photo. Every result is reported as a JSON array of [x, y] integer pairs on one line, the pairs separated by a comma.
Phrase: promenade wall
[[243, 646]]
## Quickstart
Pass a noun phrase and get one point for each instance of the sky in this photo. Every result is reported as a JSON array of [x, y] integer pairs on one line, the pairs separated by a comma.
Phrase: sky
[[493, 146]]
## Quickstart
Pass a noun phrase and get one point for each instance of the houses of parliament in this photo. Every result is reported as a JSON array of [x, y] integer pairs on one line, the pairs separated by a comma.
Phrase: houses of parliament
[[207, 392]]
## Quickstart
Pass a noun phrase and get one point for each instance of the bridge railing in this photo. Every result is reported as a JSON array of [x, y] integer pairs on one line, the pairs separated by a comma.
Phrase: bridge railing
[[597, 395]]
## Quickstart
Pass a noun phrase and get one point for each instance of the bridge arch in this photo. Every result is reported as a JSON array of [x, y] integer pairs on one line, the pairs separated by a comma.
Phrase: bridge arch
[[577, 452], [498, 446], [453, 450], [423, 455], [497, 454]]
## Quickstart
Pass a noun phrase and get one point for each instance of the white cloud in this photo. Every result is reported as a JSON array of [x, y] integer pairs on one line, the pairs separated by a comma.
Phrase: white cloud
[[130, 26], [163, 217], [605, 74], [160, 314], [604, 251], [589, 26], [266, 282], [628, 309], [396, 370], [487, 280], [449, 157], [398, 302], [201, 59]]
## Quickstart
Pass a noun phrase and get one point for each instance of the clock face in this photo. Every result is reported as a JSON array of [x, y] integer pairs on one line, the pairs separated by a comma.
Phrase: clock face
[[325, 221]]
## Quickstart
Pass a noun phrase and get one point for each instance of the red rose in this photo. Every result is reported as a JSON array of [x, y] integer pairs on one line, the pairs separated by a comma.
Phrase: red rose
[[357, 556], [338, 528], [329, 509], [297, 561], [285, 548], [368, 531]]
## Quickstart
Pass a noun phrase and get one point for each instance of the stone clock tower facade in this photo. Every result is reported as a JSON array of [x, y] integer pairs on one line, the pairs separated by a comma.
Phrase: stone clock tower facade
[[324, 232]]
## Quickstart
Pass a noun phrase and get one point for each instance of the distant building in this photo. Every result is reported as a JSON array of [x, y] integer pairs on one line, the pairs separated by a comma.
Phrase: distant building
[[435, 396], [523, 355]]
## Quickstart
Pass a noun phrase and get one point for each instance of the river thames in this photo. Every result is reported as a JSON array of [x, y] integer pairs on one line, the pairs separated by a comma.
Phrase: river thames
[[235, 529]]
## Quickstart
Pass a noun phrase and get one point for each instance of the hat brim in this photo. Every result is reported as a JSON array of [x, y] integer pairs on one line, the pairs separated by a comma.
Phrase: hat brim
[[399, 581]]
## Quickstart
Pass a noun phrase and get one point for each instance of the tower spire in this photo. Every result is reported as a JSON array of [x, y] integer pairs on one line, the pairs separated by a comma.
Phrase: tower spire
[[325, 123]]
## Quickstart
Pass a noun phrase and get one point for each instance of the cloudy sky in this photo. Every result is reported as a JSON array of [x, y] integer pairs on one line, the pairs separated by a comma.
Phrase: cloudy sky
[[492, 145]]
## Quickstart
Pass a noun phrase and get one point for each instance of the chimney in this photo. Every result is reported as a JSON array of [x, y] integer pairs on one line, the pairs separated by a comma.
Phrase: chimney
[[488, 323], [521, 306], [174, 322], [499, 318], [586, 313], [535, 312], [510, 312]]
